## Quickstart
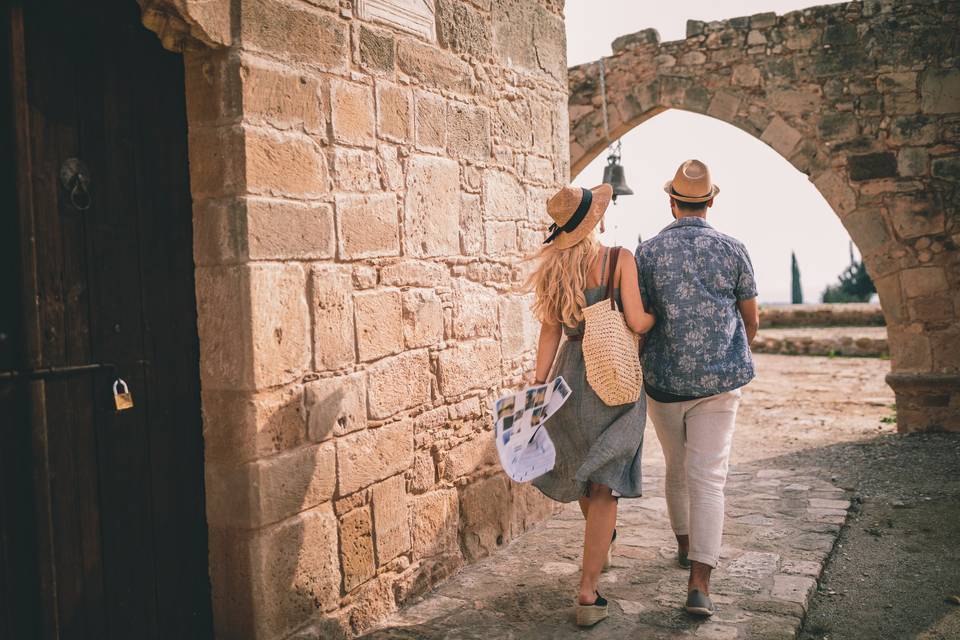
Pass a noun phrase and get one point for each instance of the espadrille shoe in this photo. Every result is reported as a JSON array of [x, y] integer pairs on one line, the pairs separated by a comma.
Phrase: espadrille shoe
[[590, 614], [699, 603]]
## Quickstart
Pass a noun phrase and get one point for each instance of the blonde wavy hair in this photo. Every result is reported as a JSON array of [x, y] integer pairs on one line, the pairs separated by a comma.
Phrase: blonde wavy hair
[[558, 281]]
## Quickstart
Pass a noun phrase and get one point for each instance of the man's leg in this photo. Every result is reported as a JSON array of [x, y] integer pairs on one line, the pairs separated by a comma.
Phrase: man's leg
[[710, 425], [667, 419]]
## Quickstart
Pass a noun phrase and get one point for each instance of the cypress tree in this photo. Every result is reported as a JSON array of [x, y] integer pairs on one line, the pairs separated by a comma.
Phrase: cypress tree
[[797, 292]]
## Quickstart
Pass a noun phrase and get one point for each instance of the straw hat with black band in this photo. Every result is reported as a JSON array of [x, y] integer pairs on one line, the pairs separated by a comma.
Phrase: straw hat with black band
[[575, 212], [692, 183]]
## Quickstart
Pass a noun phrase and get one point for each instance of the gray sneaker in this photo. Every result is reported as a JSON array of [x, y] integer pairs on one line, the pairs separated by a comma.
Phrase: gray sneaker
[[699, 603]]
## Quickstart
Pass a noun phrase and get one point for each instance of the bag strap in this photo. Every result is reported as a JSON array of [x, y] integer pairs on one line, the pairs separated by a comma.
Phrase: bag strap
[[613, 273]]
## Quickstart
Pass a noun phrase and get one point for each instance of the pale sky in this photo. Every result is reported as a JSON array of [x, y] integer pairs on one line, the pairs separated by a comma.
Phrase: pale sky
[[763, 200]]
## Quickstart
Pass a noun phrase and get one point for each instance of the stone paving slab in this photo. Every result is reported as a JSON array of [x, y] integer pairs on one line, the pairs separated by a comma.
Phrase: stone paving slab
[[781, 526]]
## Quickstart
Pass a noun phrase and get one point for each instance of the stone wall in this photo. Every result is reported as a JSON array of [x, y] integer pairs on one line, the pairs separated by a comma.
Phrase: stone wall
[[849, 314], [862, 97], [366, 176]]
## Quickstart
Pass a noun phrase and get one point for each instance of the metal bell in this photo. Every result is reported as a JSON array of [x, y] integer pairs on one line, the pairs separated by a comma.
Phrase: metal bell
[[613, 175]]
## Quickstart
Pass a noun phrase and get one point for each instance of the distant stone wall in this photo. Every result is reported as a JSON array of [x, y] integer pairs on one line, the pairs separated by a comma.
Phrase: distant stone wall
[[822, 315], [864, 98], [366, 176]]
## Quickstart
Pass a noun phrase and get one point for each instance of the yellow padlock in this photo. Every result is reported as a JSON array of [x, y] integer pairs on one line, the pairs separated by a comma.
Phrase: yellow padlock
[[122, 400]]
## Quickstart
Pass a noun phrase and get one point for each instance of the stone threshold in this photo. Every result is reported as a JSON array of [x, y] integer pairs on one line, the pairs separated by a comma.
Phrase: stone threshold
[[781, 528]]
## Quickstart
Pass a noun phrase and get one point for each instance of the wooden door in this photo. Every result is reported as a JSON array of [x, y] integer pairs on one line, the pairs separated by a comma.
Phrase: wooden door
[[104, 534]]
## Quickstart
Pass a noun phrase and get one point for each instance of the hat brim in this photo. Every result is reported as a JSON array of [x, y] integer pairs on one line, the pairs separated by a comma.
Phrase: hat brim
[[668, 187], [601, 200]]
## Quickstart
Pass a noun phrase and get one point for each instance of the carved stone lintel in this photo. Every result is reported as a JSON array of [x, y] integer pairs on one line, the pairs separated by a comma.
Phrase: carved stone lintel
[[188, 25], [413, 16]]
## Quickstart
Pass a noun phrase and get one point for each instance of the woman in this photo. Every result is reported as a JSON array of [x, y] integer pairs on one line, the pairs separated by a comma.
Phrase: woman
[[598, 446]]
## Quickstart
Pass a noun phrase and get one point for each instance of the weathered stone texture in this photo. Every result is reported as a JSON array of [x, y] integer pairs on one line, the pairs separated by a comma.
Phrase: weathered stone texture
[[363, 189], [862, 97]]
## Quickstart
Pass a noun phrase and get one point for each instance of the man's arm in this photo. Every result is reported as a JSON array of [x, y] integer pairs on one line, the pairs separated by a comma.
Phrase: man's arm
[[750, 313]]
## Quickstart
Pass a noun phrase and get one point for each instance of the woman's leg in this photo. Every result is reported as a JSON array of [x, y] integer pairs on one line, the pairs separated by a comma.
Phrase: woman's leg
[[584, 506], [601, 519]]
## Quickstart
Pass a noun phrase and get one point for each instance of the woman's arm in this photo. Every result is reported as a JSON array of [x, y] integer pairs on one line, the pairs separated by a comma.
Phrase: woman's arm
[[550, 335], [637, 317]]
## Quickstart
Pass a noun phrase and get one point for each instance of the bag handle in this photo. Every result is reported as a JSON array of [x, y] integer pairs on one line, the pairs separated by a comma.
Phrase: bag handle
[[613, 273]]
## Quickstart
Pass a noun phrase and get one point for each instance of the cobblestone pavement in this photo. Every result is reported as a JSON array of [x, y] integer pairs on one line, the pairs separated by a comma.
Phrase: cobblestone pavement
[[824, 341], [782, 522]]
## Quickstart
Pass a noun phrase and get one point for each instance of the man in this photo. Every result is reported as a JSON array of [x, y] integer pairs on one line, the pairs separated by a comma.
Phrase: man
[[699, 283]]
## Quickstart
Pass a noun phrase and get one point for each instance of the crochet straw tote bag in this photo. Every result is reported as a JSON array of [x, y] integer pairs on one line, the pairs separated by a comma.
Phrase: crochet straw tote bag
[[611, 349]]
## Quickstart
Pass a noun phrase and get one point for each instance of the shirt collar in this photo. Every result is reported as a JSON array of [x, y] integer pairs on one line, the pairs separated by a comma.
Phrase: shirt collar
[[688, 222]]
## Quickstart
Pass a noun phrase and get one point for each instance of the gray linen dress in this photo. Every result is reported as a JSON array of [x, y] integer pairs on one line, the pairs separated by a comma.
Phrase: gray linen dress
[[594, 442]]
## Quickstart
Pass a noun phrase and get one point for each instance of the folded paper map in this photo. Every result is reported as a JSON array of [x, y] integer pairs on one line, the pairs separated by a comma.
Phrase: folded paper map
[[524, 447]]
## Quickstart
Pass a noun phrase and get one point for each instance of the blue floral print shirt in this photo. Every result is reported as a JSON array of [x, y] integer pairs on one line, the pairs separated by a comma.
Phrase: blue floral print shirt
[[691, 278]]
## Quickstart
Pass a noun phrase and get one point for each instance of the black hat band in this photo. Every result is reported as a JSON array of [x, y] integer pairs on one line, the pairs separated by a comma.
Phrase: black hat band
[[585, 201]]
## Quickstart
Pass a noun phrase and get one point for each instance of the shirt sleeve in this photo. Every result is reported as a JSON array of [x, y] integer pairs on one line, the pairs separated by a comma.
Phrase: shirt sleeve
[[746, 282], [641, 278]]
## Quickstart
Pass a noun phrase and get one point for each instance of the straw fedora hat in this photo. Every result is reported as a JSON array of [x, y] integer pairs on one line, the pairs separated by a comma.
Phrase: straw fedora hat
[[692, 183], [575, 213]]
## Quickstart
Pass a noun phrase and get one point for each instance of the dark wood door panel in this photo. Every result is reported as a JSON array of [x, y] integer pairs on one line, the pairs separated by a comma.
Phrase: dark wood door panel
[[127, 552]]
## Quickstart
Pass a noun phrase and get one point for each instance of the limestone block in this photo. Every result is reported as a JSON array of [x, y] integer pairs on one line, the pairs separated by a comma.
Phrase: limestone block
[[463, 29], [292, 571], [913, 161], [377, 50], [223, 324], [724, 106], [746, 75], [836, 190], [394, 112], [413, 273], [940, 90], [422, 318], [913, 130], [868, 229], [473, 310], [432, 207], [398, 383], [283, 230], [526, 35], [897, 82], [471, 224], [504, 197], [367, 226], [796, 102], [947, 168], [485, 512], [280, 323], [923, 281], [468, 131], [269, 490], [530, 507], [284, 165], [473, 455], [379, 317], [434, 67], [281, 100], [434, 518], [871, 166], [513, 123], [391, 519], [240, 426], [469, 365], [430, 126], [518, 328], [423, 475], [792, 588], [331, 297], [352, 113], [355, 170], [356, 548], [301, 34], [390, 166], [368, 456], [335, 406], [541, 119], [211, 88], [781, 136], [500, 238], [917, 214]]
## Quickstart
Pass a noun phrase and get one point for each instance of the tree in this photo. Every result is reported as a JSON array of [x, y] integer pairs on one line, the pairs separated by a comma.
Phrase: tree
[[855, 284], [797, 291]]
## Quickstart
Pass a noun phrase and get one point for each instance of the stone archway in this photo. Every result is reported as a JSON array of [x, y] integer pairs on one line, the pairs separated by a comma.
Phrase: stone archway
[[864, 98]]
